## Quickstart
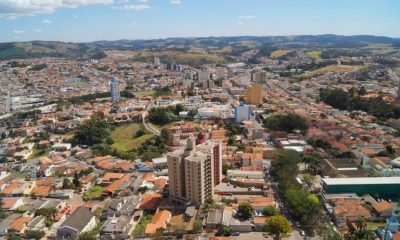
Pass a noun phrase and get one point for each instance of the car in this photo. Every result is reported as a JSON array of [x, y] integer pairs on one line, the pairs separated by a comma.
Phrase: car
[[302, 233], [236, 234]]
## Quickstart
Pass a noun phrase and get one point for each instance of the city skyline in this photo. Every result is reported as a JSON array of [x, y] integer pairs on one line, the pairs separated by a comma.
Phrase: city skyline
[[92, 20]]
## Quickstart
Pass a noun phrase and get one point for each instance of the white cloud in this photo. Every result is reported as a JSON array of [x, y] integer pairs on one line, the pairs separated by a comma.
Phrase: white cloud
[[12, 9], [47, 21], [18, 32], [37, 30], [240, 23], [247, 17], [132, 7], [176, 1], [142, 1], [75, 16]]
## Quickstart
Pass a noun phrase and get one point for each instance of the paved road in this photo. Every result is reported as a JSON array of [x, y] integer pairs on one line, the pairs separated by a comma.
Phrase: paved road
[[149, 126]]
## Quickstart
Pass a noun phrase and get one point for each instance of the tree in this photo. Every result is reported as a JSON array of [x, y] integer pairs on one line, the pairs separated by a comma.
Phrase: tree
[[92, 132], [361, 232], [12, 236], [162, 116], [66, 184], [286, 122], [303, 206], [197, 226], [245, 210], [224, 231], [278, 226], [362, 91], [32, 234], [48, 213], [139, 133], [270, 211], [76, 181]]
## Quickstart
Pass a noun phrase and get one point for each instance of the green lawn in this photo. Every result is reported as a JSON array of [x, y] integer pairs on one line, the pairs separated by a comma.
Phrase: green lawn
[[141, 227], [124, 137], [93, 193], [279, 53], [39, 153], [314, 55], [374, 225]]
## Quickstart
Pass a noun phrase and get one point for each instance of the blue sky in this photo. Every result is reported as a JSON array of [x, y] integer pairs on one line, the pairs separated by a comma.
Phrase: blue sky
[[90, 20]]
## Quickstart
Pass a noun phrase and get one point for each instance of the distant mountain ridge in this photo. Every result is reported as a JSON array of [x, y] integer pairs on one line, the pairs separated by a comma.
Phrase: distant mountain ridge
[[32, 49]]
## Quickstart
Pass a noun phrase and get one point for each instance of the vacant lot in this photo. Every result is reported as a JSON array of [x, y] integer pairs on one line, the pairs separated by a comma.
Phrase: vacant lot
[[94, 193], [141, 227], [141, 94], [124, 137], [331, 68], [314, 55], [279, 53]]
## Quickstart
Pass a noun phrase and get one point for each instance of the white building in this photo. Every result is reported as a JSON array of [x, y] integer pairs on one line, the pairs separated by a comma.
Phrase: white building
[[242, 113], [114, 89]]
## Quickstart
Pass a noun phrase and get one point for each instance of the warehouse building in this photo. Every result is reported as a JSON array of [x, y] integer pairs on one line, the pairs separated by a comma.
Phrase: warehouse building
[[379, 187]]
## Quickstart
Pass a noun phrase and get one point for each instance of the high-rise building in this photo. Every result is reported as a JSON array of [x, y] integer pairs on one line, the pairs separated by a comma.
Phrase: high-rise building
[[199, 181], [203, 76], [9, 107], [114, 89], [242, 113], [259, 77], [208, 84], [157, 61], [219, 73], [194, 171], [254, 95]]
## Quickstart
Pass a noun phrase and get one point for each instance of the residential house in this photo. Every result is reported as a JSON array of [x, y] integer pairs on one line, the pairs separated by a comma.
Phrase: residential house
[[81, 220], [158, 222]]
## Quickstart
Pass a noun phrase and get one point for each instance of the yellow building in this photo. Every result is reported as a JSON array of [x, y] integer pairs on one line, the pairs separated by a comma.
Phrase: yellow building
[[254, 95]]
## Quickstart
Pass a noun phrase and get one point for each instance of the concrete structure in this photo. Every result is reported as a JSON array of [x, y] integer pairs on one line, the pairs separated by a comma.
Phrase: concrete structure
[[259, 77], [194, 171], [114, 89], [199, 178], [219, 73], [242, 113], [254, 95], [381, 187]]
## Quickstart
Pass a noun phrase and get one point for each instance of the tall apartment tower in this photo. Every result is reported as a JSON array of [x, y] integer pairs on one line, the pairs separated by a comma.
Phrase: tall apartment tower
[[199, 181], [219, 73], [259, 77], [9, 107], [194, 171], [254, 95], [114, 89]]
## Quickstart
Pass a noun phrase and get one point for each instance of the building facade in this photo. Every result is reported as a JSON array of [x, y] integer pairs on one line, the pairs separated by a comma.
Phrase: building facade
[[114, 89], [254, 95], [194, 171], [242, 113]]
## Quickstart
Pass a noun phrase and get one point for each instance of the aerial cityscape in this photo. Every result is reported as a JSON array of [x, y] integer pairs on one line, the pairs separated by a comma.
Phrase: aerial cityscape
[[146, 119]]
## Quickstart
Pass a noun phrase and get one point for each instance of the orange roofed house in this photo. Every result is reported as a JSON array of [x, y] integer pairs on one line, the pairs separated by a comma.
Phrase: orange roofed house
[[159, 221]]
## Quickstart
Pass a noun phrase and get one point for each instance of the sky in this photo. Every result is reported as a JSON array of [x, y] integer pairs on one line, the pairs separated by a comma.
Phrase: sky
[[91, 20]]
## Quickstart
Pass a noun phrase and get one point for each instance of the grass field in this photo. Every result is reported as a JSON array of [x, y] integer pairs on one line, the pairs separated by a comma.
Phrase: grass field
[[279, 53], [374, 225], [141, 94], [141, 227], [94, 193], [331, 68], [39, 153], [314, 54], [123, 137]]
